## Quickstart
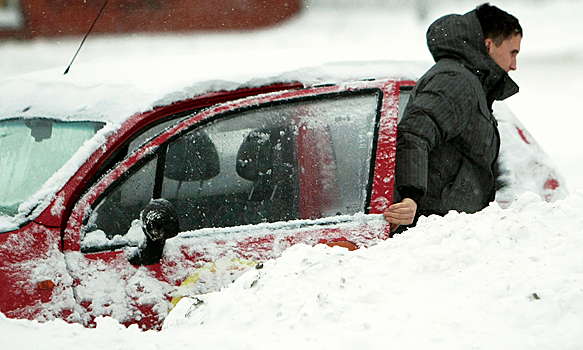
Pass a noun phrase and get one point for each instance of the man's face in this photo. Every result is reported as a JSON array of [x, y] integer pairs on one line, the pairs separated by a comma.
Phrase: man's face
[[505, 53]]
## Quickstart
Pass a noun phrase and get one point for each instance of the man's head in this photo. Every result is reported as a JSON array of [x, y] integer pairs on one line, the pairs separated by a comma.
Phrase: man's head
[[502, 34]]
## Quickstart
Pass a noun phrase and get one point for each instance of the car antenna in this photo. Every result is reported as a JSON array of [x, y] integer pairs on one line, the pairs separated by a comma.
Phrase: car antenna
[[86, 35]]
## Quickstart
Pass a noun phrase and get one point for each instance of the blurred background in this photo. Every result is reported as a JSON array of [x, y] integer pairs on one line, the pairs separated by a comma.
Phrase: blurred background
[[44, 34]]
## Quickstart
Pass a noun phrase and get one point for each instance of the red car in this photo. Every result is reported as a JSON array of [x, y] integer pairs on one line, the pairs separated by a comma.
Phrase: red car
[[118, 197]]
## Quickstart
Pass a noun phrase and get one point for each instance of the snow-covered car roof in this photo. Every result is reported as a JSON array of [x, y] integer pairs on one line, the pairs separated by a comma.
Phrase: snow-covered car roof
[[113, 91]]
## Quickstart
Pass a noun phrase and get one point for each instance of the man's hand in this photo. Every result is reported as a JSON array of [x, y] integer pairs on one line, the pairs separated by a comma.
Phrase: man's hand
[[402, 213]]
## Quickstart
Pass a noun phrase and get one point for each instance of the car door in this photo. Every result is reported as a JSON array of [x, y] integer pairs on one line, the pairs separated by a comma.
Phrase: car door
[[238, 183]]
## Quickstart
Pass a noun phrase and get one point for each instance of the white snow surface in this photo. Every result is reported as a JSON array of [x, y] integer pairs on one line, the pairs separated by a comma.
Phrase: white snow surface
[[498, 279]]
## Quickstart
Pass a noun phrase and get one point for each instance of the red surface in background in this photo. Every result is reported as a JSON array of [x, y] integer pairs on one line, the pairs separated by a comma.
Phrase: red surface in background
[[75, 17]]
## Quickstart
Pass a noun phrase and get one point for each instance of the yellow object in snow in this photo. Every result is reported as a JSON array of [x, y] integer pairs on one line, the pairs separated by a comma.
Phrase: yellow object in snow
[[211, 277]]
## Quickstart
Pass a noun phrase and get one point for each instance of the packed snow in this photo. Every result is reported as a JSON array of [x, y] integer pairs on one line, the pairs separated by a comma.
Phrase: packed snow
[[503, 278]]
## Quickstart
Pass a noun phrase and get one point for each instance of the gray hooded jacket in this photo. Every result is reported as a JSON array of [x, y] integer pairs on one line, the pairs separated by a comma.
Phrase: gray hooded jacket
[[448, 140]]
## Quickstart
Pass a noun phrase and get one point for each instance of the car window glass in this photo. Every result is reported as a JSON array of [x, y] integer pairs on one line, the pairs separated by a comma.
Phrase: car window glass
[[296, 160], [220, 177], [139, 138], [404, 95], [302, 160], [31, 151], [113, 215]]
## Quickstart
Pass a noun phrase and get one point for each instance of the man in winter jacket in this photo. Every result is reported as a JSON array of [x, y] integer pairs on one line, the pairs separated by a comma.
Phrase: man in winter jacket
[[448, 140]]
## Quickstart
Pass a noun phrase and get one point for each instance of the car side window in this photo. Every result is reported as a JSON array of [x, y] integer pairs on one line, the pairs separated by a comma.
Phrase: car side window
[[237, 172], [302, 159], [110, 220], [138, 139]]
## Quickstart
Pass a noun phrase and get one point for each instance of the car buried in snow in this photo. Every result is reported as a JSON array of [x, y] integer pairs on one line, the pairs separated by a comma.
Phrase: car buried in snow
[[127, 186]]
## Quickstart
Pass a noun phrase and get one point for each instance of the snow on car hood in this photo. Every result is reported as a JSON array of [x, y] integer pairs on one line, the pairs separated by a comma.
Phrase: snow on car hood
[[113, 91]]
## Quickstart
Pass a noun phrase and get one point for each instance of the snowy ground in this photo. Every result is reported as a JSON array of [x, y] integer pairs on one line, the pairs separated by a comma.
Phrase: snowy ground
[[498, 279]]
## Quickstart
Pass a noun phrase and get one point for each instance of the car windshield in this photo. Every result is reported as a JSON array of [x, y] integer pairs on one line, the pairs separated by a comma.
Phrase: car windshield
[[31, 151]]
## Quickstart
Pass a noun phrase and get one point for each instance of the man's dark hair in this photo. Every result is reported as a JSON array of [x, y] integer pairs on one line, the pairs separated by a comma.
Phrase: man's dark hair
[[497, 24]]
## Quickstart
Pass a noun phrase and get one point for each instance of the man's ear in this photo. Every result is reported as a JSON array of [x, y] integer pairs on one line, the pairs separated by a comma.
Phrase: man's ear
[[489, 44]]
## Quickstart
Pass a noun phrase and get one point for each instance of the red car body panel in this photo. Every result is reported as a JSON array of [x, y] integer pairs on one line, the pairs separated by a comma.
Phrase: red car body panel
[[48, 18], [21, 296]]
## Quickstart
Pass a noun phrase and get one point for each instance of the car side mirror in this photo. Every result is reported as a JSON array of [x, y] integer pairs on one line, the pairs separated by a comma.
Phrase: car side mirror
[[159, 223]]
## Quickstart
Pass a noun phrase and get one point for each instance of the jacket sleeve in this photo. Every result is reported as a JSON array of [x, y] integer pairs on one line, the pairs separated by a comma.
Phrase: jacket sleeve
[[437, 113]]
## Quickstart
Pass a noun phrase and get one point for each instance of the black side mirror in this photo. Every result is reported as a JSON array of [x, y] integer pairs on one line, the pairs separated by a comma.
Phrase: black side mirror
[[159, 223]]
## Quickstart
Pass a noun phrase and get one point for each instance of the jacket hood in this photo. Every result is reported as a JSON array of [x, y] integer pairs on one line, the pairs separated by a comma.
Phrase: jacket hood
[[460, 37]]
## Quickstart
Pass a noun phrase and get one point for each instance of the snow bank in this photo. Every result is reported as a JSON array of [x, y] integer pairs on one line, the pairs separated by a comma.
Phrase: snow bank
[[498, 279]]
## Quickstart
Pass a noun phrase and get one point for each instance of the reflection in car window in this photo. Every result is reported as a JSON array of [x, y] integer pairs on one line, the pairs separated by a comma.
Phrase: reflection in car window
[[31, 151], [298, 160]]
